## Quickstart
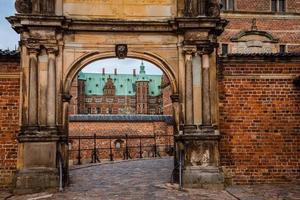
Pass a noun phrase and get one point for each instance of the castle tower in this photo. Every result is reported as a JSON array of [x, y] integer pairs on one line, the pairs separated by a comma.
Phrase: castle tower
[[142, 92]]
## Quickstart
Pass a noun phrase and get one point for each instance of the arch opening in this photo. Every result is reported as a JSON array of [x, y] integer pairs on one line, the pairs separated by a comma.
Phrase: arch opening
[[120, 110]]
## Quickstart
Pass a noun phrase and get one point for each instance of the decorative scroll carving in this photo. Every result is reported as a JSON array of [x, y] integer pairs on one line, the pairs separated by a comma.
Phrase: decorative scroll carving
[[213, 8], [23, 6], [121, 51]]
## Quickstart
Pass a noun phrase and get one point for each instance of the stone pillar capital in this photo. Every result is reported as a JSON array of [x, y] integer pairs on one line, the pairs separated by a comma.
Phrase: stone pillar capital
[[52, 51], [33, 52], [205, 49], [189, 49]]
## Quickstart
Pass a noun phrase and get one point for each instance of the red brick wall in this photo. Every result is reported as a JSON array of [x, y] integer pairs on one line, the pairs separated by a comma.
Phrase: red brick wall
[[253, 5], [284, 29], [284, 26], [259, 122], [162, 130], [292, 6], [9, 120]]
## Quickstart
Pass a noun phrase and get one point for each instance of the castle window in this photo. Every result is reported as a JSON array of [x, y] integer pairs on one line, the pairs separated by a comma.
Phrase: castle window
[[150, 80], [282, 49], [98, 110], [90, 78], [98, 100], [121, 100], [224, 49], [278, 5], [109, 100], [228, 4], [88, 100], [97, 85], [152, 92], [90, 91], [129, 92], [121, 85]]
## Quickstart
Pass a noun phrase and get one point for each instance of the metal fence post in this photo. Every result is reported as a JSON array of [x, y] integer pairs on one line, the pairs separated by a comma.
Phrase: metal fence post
[[94, 153], [79, 154], [141, 152], [155, 148], [110, 151]]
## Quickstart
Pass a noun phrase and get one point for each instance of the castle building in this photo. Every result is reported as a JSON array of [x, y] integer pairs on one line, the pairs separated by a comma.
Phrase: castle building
[[103, 93], [260, 26]]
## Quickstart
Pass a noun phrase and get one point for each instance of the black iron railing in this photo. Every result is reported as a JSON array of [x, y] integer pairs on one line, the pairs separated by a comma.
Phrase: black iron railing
[[117, 147]]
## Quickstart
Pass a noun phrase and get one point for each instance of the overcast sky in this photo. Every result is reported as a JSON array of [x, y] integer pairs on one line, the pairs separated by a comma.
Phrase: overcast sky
[[9, 39]]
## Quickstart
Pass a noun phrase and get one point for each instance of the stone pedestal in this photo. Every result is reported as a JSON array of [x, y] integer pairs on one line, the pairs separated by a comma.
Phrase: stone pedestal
[[37, 161], [36, 180], [201, 158]]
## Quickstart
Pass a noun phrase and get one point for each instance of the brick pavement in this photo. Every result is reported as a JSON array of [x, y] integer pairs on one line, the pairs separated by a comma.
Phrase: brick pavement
[[147, 179]]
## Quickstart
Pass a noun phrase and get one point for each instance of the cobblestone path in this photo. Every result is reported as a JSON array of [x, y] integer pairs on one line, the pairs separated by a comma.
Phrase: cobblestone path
[[147, 179]]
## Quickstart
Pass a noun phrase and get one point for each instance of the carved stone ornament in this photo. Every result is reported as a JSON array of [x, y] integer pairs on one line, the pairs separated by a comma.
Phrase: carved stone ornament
[[23, 6], [66, 97], [213, 8], [121, 51]]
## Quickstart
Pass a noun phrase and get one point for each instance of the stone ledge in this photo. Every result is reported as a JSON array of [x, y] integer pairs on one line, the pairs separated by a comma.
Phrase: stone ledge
[[121, 118]]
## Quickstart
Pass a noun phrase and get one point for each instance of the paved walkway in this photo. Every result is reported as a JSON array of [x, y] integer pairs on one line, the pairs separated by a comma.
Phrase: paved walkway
[[146, 179]]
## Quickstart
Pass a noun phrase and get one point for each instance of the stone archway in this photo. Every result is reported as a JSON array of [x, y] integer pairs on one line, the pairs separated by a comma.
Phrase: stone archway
[[90, 57], [59, 40]]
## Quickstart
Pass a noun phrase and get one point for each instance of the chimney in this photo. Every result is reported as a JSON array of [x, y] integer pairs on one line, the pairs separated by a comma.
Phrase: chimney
[[115, 71], [103, 71], [134, 72]]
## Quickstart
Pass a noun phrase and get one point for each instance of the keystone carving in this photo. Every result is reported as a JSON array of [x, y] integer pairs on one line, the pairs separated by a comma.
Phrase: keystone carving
[[121, 51], [23, 6]]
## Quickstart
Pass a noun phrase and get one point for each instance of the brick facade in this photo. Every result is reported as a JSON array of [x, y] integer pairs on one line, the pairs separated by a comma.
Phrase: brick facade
[[281, 25], [9, 116], [259, 119], [142, 126]]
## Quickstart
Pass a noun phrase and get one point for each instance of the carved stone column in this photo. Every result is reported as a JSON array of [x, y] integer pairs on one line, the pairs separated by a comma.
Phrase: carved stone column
[[37, 148], [189, 108], [206, 91], [33, 88], [200, 143], [51, 91]]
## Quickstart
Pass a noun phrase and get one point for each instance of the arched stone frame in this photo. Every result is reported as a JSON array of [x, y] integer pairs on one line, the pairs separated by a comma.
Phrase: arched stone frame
[[90, 57], [93, 56], [186, 37]]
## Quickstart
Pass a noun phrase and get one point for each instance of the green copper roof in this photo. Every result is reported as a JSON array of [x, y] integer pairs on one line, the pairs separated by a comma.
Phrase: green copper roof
[[124, 83]]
